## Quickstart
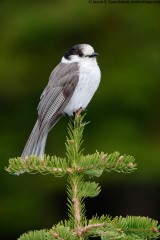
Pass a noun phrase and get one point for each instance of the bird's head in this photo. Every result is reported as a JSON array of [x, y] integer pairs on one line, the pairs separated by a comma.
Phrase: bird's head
[[80, 52]]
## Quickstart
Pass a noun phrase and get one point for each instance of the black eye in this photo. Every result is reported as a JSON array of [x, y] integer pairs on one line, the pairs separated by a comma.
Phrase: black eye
[[80, 54]]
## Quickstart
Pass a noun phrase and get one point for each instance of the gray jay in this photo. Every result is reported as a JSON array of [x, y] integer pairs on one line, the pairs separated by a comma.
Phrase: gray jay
[[71, 86]]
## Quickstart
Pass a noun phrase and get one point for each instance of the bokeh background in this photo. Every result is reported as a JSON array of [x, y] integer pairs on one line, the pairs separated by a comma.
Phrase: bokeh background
[[124, 113]]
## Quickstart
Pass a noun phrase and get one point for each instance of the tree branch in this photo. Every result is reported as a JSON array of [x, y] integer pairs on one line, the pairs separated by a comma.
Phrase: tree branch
[[55, 235], [76, 207], [95, 225]]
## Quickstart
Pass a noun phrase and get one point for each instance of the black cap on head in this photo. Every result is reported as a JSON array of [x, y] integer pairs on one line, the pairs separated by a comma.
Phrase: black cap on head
[[75, 50]]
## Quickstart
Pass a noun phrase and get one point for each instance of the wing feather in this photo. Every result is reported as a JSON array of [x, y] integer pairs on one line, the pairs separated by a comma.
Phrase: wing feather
[[57, 94]]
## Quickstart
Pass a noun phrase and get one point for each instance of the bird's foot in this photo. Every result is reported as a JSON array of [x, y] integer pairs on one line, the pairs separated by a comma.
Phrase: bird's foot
[[78, 112]]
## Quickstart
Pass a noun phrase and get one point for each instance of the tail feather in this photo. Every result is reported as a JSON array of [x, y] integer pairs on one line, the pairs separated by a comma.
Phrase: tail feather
[[37, 139], [40, 146], [32, 141]]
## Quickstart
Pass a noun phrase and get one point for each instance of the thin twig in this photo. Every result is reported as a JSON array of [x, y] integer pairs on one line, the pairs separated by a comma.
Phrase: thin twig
[[91, 226], [87, 228], [55, 235]]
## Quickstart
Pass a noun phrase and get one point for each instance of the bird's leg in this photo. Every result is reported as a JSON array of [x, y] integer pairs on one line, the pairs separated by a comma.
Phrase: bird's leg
[[75, 114], [78, 112]]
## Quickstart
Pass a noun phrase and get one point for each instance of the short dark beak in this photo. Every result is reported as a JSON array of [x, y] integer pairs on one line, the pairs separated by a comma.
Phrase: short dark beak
[[93, 55]]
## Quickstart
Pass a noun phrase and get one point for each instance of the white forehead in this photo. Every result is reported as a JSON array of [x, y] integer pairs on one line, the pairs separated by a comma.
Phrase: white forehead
[[87, 49]]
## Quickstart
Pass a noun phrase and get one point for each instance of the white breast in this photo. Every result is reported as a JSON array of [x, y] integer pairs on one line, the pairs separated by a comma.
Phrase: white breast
[[89, 79]]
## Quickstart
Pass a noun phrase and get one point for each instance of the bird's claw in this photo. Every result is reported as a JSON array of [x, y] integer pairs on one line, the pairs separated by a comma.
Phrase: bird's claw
[[78, 112]]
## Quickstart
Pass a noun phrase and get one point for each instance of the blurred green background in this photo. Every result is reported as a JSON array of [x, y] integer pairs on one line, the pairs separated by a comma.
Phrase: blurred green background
[[124, 113]]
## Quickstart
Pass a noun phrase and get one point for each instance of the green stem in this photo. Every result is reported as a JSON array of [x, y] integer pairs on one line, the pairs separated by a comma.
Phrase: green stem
[[75, 181]]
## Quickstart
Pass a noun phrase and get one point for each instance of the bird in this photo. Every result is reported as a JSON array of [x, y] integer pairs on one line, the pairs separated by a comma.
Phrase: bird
[[71, 86]]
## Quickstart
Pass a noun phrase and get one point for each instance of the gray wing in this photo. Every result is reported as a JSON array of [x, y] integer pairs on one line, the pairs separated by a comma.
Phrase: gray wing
[[57, 94]]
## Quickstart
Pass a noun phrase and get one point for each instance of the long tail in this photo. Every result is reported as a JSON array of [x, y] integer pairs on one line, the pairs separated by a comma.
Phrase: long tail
[[37, 141], [32, 143]]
